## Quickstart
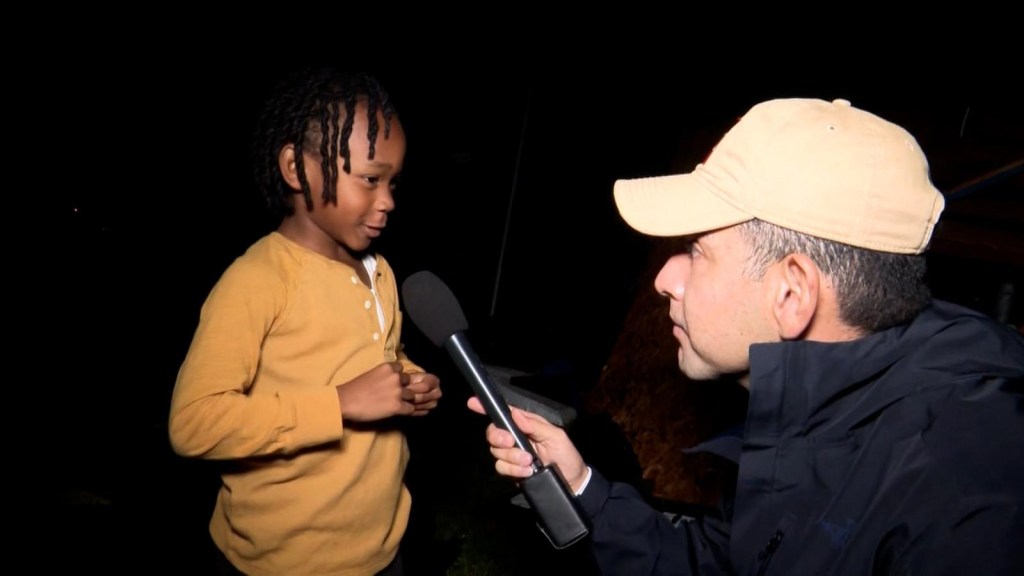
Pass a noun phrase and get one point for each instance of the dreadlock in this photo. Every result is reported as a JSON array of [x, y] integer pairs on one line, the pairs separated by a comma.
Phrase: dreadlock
[[304, 111]]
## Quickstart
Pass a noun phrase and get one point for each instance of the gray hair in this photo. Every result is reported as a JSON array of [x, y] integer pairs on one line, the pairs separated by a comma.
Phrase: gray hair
[[875, 290]]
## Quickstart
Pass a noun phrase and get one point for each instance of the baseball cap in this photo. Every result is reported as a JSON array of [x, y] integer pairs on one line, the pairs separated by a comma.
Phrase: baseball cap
[[825, 169]]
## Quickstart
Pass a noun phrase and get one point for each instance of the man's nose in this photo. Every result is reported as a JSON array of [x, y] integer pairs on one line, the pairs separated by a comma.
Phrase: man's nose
[[672, 278]]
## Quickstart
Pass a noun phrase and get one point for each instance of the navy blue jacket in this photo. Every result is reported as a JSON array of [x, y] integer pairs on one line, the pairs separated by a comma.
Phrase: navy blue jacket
[[898, 453]]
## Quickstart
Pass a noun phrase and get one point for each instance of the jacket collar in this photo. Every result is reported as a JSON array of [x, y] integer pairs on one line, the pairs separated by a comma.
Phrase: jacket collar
[[805, 387]]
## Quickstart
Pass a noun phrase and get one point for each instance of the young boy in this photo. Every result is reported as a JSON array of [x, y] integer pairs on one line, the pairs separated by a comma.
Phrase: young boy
[[296, 368]]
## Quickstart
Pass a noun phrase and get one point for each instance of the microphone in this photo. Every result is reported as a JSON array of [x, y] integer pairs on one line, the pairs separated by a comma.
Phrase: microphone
[[436, 312]]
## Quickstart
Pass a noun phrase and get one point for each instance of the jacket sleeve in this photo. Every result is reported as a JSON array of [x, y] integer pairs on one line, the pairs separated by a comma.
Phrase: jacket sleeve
[[631, 537], [973, 517], [986, 540]]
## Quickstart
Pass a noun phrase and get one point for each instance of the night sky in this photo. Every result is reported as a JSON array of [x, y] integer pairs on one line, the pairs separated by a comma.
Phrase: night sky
[[163, 198]]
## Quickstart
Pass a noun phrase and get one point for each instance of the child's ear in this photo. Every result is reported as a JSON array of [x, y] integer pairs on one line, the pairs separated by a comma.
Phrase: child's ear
[[286, 161]]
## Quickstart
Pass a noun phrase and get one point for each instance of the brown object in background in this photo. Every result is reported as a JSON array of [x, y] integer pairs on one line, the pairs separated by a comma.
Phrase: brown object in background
[[658, 409]]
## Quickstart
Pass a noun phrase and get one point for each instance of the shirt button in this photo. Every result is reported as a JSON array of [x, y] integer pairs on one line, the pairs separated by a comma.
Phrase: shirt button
[[367, 304], [355, 280], [376, 336]]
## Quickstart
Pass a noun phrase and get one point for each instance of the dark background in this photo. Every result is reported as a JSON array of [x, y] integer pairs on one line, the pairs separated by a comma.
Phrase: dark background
[[506, 196]]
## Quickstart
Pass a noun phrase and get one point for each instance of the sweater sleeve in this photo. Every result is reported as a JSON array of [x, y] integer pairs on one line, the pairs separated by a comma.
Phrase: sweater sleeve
[[631, 537], [408, 366], [387, 282], [213, 415]]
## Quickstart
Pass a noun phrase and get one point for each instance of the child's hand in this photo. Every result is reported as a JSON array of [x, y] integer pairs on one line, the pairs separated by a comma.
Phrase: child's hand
[[426, 392], [380, 393]]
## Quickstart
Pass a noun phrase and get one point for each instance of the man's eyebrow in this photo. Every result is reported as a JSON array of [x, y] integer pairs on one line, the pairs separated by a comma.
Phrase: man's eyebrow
[[695, 239]]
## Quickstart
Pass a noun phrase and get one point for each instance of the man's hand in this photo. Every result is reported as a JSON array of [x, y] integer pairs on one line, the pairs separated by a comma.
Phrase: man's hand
[[550, 442]]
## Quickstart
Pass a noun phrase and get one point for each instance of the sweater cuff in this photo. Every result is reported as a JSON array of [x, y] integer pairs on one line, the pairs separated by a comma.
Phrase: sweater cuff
[[317, 418]]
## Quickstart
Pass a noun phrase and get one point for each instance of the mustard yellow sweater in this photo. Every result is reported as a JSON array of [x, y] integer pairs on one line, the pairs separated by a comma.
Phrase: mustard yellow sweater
[[304, 493]]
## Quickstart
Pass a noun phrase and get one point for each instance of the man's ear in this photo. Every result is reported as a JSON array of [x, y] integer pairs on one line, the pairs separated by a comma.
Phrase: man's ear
[[797, 294], [286, 162]]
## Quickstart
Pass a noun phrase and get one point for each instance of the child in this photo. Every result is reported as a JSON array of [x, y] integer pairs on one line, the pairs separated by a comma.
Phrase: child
[[296, 367]]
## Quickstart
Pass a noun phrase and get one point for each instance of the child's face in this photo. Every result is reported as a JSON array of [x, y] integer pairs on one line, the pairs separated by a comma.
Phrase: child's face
[[365, 194]]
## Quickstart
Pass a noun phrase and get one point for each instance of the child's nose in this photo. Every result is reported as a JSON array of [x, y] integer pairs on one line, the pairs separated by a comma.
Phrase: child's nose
[[385, 201]]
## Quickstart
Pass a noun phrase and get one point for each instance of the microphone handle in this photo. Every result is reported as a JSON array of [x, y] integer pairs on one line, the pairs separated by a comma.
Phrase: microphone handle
[[465, 358], [560, 517]]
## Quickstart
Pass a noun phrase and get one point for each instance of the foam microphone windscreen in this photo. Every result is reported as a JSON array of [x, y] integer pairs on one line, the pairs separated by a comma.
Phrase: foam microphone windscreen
[[432, 306]]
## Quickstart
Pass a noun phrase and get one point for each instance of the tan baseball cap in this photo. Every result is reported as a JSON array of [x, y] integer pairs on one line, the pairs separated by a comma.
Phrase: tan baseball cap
[[825, 169]]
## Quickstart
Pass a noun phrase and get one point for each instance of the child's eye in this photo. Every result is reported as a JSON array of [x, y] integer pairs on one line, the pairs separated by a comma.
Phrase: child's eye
[[372, 180]]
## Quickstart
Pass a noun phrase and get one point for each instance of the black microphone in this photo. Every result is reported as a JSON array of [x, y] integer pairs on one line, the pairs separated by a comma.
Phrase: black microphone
[[436, 312]]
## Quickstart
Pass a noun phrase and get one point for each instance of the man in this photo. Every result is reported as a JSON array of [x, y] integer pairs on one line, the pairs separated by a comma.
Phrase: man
[[885, 430]]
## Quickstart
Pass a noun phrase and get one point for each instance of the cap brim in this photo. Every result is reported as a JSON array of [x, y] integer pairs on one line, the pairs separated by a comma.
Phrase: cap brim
[[677, 205]]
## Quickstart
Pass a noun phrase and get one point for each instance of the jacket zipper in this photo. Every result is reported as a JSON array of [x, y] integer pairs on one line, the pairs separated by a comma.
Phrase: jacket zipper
[[765, 556]]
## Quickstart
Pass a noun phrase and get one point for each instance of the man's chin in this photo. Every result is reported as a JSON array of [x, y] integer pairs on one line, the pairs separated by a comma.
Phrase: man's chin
[[697, 370]]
